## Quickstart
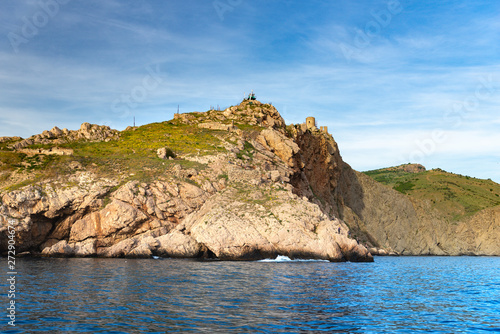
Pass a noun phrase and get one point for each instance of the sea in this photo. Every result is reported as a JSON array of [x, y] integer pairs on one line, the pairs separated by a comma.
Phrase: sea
[[390, 295]]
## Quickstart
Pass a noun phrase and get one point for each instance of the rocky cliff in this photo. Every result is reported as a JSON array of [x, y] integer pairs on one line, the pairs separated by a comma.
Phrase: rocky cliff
[[427, 225], [236, 184], [394, 223], [237, 202]]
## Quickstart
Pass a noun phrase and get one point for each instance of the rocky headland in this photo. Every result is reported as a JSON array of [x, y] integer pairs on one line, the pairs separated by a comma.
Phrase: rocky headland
[[237, 184]]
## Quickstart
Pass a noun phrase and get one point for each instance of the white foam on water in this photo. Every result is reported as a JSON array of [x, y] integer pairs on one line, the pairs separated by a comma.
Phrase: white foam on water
[[283, 258]]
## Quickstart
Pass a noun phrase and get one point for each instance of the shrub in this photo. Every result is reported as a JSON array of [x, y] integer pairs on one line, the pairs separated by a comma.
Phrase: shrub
[[404, 187], [169, 153]]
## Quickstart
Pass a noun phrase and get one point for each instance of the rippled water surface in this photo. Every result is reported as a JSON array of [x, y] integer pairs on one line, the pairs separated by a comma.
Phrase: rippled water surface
[[394, 294]]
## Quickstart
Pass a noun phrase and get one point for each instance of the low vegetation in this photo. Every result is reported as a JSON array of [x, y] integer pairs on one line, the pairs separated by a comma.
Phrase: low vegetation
[[248, 151], [132, 156], [455, 196]]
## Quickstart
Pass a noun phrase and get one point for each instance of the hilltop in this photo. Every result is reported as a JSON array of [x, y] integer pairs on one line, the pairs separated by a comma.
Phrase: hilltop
[[236, 184], [213, 184], [454, 196], [434, 213]]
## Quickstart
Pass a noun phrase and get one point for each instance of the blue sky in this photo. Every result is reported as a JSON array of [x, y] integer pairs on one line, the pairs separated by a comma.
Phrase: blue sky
[[394, 81]]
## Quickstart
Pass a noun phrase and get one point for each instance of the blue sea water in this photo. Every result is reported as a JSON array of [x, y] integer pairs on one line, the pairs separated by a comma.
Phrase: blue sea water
[[391, 295]]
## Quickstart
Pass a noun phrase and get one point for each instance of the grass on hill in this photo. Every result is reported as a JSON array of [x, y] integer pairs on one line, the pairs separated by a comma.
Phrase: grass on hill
[[133, 154], [455, 196]]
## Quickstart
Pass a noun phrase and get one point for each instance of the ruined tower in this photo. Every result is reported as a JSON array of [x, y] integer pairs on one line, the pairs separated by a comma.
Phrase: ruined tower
[[310, 123]]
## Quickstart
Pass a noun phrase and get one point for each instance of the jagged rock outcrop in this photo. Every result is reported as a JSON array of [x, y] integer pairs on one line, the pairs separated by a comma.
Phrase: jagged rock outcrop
[[410, 168], [87, 131], [8, 139], [277, 142], [247, 112]]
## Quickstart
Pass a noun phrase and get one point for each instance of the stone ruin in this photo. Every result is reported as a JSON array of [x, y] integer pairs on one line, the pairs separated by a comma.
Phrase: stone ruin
[[310, 124]]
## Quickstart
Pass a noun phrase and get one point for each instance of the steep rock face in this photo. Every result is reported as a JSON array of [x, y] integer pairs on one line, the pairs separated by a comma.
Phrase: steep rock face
[[321, 169], [75, 221], [389, 218], [293, 227], [284, 147], [478, 234], [39, 211], [393, 222], [384, 219], [183, 220]]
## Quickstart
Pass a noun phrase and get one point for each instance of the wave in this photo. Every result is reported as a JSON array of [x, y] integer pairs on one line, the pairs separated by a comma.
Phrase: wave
[[282, 258], [279, 258]]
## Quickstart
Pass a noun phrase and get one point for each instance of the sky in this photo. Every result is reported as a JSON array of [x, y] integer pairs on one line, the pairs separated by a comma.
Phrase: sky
[[394, 81]]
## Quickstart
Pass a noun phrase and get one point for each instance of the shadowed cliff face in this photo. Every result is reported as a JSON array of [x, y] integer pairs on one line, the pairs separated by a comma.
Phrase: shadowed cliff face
[[326, 179], [322, 169], [382, 218], [411, 227]]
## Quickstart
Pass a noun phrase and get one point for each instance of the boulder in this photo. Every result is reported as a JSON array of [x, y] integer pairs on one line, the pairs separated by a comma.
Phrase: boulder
[[275, 175], [85, 248], [119, 249], [283, 147], [62, 248], [145, 247], [162, 153], [177, 244]]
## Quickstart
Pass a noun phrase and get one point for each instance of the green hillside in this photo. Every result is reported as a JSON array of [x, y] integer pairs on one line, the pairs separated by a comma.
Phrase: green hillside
[[455, 196], [133, 155]]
